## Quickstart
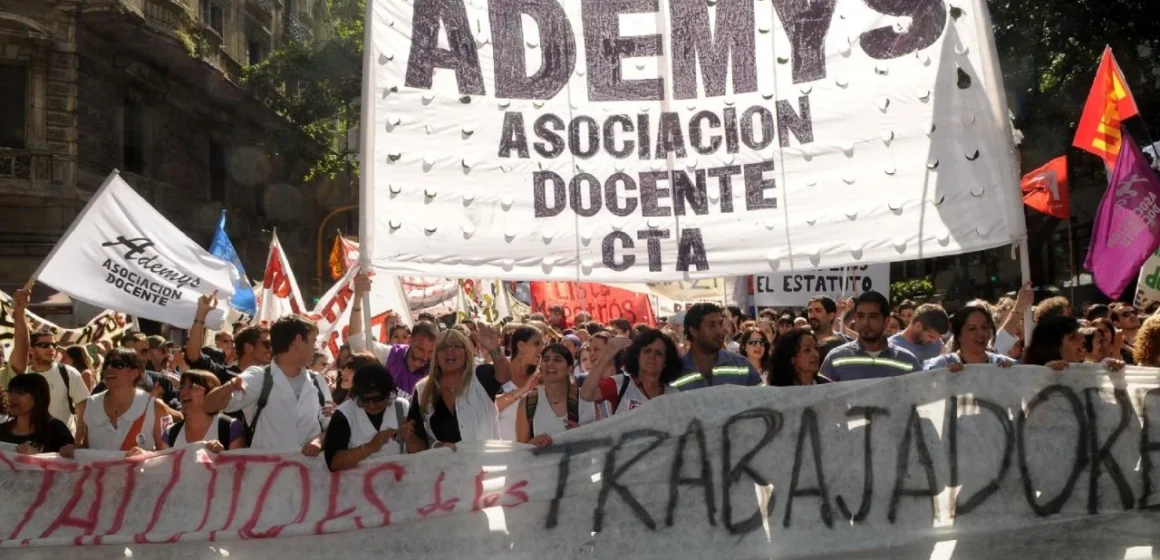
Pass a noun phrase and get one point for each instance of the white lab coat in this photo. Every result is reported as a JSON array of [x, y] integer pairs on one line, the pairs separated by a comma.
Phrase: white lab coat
[[362, 431], [286, 423]]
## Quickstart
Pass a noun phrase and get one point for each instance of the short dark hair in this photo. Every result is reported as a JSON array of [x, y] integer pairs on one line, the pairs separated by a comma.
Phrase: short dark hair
[[1097, 311], [35, 386], [556, 309], [424, 329], [40, 333], [1047, 338], [371, 377], [673, 365], [560, 349], [697, 312], [286, 329], [827, 302], [959, 322], [906, 304], [426, 317], [875, 298], [397, 328], [932, 316], [622, 324], [249, 336], [593, 328]]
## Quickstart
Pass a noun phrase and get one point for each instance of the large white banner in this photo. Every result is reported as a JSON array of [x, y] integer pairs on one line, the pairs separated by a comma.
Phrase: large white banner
[[851, 470], [678, 139], [122, 254], [279, 295], [794, 289]]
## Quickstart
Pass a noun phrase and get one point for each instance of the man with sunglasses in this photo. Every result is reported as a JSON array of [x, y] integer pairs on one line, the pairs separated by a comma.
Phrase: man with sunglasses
[[37, 353]]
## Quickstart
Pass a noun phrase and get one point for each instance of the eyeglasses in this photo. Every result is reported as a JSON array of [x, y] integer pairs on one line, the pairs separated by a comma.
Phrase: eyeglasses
[[44, 345], [118, 364], [453, 346], [370, 399]]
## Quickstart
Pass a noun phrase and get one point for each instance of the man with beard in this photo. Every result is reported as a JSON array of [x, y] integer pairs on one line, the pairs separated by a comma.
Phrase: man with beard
[[707, 363], [822, 313], [871, 356]]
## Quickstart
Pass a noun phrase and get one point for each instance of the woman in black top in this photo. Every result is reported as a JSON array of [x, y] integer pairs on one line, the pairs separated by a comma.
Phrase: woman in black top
[[31, 427], [368, 422], [456, 401]]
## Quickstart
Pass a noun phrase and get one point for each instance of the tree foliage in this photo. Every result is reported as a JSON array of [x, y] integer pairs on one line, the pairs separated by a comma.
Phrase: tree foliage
[[1049, 51], [316, 85]]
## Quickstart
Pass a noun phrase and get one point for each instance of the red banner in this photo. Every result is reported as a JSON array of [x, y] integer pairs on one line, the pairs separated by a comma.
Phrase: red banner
[[603, 303]]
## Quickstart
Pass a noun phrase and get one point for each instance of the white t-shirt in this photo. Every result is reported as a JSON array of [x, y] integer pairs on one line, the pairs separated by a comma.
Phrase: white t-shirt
[[58, 404]]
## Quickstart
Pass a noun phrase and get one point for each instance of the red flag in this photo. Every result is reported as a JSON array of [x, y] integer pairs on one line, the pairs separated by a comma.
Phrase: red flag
[[1046, 190], [603, 303], [1109, 103]]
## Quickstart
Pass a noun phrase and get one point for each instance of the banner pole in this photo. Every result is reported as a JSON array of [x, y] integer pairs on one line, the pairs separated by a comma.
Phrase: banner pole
[[366, 200], [1071, 259], [1025, 273]]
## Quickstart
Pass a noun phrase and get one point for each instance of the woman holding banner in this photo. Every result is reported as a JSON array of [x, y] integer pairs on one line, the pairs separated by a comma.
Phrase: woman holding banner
[[31, 428], [456, 402], [796, 360], [972, 329], [651, 364], [555, 406], [123, 417], [219, 432], [1056, 343], [369, 423]]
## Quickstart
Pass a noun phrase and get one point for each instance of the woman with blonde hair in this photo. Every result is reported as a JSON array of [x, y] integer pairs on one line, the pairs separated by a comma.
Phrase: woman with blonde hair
[[456, 401], [1147, 343]]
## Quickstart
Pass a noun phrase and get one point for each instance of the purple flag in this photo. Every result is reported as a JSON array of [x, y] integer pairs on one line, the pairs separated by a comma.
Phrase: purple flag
[[1127, 225]]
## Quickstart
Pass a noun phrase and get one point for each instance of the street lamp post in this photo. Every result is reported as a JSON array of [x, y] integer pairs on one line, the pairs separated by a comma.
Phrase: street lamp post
[[321, 229]]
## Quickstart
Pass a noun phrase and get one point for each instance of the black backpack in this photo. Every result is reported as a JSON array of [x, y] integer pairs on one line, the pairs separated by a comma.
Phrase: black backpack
[[72, 407], [531, 400], [264, 397]]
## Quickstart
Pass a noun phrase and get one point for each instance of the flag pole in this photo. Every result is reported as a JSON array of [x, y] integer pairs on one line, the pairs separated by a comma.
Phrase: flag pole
[[1071, 259], [366, 163], [73, 226]]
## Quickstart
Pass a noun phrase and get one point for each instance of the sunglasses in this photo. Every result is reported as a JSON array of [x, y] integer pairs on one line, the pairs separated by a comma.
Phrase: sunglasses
[[370, 399], [118, 364], [756, 343], [454, 346], [44, 345]]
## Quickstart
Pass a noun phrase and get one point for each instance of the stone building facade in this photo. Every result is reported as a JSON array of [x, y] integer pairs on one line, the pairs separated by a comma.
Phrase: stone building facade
[[149, 87]]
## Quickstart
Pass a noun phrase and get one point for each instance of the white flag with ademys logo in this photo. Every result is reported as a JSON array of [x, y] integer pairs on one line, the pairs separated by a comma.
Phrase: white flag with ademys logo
[[122, 254]]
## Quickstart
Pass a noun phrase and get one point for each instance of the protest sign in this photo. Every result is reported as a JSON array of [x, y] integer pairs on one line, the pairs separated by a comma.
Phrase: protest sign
[[120, 253], [280, 295], [794, 289], [603, 303], [822, 471], [1148, 284], [104, 329], [332, 314], [679, 139]]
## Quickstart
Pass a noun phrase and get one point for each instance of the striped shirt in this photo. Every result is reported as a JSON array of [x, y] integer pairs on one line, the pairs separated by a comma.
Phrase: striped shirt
[[731, 369], [851, 362]]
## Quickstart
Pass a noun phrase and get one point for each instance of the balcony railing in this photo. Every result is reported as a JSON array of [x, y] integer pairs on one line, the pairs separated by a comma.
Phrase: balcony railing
[[265, 7], [296, 30]]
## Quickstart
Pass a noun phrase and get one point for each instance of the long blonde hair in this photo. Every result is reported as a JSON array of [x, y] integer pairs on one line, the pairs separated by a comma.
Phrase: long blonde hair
[[428, 385]]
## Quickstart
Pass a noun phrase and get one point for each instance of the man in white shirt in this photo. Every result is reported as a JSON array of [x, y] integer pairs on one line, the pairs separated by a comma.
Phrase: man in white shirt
[[284, 403], [66, 387]]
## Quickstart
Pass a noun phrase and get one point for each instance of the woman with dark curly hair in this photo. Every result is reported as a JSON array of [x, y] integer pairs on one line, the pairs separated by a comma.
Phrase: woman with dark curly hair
[[1147, 343], [651, 363], [1057, 342], [796, 360], [756, 345], [972, 329]]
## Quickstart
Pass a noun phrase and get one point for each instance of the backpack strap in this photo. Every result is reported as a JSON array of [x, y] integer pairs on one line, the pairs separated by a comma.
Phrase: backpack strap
[[318, 390], [574, 404], [623, 389], [223, 423], [400, 418], [72, 407], [263, 398], [530, 401], [173, 432]]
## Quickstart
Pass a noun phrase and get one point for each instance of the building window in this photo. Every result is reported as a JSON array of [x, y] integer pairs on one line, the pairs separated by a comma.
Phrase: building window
[[13, 105], [256, 51], [213, 16], [133, 142], [217, 172]]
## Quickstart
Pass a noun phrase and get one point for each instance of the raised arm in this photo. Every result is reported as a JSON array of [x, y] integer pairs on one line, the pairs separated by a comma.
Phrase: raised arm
[[20, 340], [205, 304]]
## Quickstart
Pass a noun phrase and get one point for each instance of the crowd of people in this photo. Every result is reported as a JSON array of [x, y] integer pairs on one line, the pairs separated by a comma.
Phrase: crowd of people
[[526, 379]]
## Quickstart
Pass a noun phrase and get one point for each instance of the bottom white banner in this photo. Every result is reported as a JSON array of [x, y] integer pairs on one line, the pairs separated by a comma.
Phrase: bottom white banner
[[885, 468]]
